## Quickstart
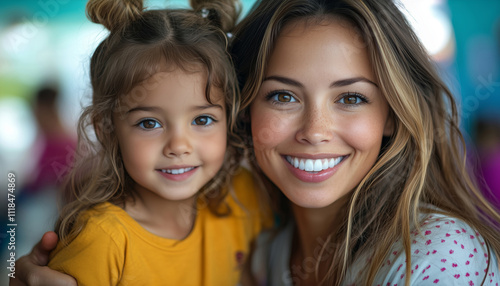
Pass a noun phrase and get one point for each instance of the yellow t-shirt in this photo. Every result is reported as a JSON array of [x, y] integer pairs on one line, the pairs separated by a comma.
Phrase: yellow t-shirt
[[113, 249]]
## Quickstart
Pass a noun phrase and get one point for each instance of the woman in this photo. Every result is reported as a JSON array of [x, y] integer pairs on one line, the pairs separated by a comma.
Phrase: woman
[[357, 140], [351, 123]]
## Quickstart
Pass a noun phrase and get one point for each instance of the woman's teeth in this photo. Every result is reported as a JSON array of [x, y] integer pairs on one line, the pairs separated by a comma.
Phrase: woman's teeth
[[177, 171], [313, 165]]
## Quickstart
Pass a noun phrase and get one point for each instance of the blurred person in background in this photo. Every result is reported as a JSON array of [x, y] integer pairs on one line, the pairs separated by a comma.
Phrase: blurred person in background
[[55, 145], [53, 154]]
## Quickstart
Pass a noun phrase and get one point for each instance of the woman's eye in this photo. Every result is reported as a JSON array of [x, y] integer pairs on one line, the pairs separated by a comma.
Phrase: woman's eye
[[282, 97], [203, 120], [149, 124], [352, 99]]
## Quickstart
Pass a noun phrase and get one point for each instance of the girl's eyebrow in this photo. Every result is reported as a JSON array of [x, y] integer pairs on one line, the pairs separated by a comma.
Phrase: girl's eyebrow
[[338, 83], [158, 109], [207, 106], [144, 108]]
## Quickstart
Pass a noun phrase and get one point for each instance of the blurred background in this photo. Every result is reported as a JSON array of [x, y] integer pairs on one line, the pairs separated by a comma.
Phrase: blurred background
[[45, 46]]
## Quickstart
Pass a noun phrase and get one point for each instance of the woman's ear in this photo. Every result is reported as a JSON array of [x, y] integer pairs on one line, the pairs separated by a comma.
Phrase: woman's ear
[[389, 125]]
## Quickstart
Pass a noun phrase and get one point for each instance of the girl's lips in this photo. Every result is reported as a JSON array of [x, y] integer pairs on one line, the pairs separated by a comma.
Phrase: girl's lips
[[312, 176], [177, 170], [177, 174]]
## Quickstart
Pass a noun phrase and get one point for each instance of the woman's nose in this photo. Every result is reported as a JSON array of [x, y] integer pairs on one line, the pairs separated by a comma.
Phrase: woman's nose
[[317, 126]]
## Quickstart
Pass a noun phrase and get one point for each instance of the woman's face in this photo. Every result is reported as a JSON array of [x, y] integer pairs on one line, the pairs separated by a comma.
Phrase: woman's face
[[319, 117]]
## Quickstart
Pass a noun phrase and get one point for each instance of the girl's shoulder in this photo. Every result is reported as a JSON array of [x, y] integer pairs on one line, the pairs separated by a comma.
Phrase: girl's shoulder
[[102, 223], [247, 203], [243, 183], [244, 195], [444, 250], [107, 217], [103, 212]]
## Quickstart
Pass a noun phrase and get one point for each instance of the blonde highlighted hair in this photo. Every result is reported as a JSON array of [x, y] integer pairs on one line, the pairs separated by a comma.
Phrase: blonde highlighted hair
[[139, 44], [422, 164]]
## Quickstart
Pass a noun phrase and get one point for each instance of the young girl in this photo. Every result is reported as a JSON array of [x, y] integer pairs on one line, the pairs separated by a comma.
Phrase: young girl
[[149, 201], [358, 140]]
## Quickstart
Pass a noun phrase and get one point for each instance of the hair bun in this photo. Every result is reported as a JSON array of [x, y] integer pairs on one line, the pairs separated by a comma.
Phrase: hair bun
[[221, 13], [114, 14]]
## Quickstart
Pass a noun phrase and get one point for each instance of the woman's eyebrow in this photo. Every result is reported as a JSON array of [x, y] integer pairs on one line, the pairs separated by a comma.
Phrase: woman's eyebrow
[[349, 81], [284, 80], [338, 83]]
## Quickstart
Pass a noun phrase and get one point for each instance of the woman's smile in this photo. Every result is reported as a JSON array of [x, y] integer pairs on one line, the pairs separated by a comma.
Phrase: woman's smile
[[314, 165], [313, 170], [323, 111]]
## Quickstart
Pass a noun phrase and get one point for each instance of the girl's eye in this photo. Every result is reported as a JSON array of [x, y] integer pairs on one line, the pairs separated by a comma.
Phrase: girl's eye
[[281, 97], [203, 120], [149, 124], [352, 99]]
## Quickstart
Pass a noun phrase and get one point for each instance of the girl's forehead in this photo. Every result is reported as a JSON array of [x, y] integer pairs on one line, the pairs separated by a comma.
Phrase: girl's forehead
[[171, 66], [176, 82]]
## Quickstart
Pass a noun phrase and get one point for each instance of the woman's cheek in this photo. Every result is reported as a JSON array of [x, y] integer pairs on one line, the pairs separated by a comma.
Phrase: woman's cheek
[[268, 128], [362, 134]]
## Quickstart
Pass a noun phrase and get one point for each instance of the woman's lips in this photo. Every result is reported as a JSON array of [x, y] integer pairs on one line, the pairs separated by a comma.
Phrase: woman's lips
[[313, 170]]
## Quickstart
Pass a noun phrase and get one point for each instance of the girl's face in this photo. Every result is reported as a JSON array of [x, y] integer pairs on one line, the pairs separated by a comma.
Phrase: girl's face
[[172, 140], [319, 117]]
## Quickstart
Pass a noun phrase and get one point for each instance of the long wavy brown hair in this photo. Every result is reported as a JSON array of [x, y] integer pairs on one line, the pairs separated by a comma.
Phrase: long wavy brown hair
[[139, 44], [422, 164]]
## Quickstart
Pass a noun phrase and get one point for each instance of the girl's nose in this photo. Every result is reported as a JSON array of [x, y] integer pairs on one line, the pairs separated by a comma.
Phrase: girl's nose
[[178, 144]]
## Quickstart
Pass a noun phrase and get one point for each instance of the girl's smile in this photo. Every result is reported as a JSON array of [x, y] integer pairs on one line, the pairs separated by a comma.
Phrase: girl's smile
[[171, 138], [178, 173]]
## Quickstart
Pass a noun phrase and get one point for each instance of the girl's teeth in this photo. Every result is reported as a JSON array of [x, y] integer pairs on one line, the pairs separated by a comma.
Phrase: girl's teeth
[[177, 171], [310, 165]]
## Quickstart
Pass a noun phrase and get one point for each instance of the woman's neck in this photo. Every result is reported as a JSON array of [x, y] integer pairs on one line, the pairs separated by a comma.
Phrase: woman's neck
[[310, 243]]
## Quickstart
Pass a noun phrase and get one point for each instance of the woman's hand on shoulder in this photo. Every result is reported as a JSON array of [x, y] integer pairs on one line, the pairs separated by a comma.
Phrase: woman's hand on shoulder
[[32, 269]]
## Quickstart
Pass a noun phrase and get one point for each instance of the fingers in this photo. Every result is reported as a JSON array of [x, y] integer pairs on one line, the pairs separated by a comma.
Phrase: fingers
[[16, 281], [41, 252], [32, 269], [41, 276]]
